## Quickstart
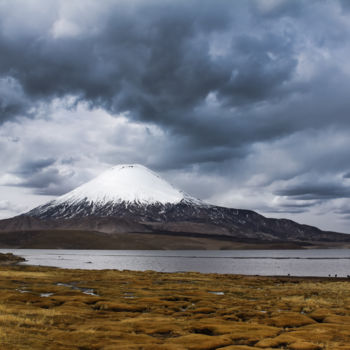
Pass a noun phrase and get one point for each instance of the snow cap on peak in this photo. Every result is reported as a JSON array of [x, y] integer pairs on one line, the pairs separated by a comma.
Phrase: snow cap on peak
[[132, 183]]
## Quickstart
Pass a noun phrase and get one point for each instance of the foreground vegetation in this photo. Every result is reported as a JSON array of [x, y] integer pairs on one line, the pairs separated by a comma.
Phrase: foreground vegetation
[[48, 308]]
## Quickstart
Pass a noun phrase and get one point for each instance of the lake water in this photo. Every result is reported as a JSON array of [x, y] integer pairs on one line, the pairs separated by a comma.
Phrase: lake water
[[321, 262]]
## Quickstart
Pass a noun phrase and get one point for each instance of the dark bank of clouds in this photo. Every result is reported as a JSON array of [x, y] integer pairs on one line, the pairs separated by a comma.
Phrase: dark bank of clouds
[[251, 94], [34, 165], [157, 60], [43, 179], [311, 191]]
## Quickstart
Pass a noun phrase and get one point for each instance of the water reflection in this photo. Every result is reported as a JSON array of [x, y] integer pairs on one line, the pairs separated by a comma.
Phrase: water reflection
[[250, 262]]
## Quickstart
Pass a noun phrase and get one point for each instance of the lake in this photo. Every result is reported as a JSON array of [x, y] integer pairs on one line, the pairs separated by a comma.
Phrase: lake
[[322, 262]]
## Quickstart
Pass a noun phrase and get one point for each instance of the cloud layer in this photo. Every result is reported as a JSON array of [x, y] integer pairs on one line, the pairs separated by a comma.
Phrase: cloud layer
[[242, 103]]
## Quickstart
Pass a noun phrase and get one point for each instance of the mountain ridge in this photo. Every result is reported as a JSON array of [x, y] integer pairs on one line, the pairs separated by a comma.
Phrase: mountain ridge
[[131, 199]]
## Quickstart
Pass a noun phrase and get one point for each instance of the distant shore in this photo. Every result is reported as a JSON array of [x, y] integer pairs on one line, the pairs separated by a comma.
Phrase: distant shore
[[50, 308], [75, 239]]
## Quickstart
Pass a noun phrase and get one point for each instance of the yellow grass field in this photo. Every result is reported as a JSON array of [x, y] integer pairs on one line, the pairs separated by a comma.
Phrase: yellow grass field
[[49, 308]]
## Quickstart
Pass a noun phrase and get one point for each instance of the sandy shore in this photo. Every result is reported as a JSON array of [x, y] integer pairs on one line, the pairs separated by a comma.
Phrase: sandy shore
[[50, 308]]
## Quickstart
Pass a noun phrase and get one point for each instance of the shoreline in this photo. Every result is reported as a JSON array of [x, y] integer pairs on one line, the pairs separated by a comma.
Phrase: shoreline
[[315, 278], [7, 259], [290, 277], [300, 264], [234, 246]]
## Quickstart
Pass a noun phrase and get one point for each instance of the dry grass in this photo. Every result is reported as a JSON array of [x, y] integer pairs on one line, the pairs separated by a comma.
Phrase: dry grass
[[158, 311]]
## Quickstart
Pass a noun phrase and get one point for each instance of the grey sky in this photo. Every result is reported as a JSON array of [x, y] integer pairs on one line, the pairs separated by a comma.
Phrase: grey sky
[[243, 103]]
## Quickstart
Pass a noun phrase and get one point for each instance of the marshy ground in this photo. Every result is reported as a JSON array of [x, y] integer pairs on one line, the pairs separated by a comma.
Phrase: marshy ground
[[49, 308]]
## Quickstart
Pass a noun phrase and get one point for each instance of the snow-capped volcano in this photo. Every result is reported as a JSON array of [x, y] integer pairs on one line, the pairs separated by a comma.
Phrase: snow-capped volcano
[[131, 204], [123, 186]]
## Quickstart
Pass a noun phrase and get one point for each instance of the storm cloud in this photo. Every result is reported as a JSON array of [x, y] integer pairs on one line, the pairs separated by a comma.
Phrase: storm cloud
[[158, 61], [242, 103]]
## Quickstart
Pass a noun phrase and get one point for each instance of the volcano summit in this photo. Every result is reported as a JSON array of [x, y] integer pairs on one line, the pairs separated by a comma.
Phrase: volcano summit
[[131, 207], [121, 188]]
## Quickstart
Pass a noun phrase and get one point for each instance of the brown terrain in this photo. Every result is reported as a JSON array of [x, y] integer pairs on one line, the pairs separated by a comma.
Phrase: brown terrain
[[245, 230], [76, 239], [50, 308]]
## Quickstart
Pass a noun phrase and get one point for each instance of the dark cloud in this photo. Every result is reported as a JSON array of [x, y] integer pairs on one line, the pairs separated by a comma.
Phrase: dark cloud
[[43, 176], [144, 58], [219, 75], [70, 160], [290, 210], [153, 60], [47, 182], [249, 96], [34, 166], [345, 5], [277, 9], [298, 205], [310, 191], [260, 66], [13, 101]]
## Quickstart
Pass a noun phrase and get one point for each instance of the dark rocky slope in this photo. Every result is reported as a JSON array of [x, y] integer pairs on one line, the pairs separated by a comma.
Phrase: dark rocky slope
[[173, 221]]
